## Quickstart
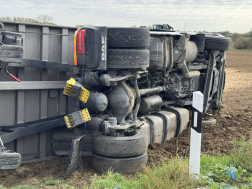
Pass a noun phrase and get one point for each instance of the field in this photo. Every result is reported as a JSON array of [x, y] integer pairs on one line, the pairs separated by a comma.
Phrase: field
[[233, 121]]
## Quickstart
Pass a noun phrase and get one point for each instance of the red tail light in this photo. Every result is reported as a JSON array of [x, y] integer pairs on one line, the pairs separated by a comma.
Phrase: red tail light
[[81, 42]]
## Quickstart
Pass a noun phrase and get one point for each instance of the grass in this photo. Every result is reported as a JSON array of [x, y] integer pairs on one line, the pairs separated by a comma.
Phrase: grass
[[50, 182], [208, 161], [242, 153], [22, 170], [170, 174], [215, 169], [173, 173]]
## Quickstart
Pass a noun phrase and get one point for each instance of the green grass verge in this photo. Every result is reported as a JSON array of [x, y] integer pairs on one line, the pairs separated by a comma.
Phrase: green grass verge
[[169, 174], [20, 187], [50, 182]]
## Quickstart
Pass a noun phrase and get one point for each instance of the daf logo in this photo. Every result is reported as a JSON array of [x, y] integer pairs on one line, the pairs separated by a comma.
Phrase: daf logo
[[103, 49]]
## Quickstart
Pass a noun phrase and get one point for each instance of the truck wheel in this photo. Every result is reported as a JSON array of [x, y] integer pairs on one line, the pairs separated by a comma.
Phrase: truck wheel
[[128, 37], [216, 43], [128, 58], [127, 146], [118, 165]]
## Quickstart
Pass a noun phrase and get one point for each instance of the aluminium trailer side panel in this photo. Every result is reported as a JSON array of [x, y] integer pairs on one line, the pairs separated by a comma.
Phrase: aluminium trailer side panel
[[40, 42]]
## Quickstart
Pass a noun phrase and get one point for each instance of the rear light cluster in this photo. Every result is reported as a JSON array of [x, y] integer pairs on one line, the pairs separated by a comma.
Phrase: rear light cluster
[[90, 48], [79, 44]]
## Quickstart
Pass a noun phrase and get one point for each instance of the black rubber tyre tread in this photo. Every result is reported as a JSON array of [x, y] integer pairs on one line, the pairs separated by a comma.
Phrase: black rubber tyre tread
[[128, 58], [216, 43], [102, 164], [127, 146], [128, 37]]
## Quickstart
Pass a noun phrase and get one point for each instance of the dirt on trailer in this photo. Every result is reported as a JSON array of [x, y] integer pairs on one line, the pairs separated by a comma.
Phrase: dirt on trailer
[[233, 121]]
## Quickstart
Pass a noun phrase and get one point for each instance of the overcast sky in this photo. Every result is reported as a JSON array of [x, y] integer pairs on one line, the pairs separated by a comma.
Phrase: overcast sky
[[209, 15]]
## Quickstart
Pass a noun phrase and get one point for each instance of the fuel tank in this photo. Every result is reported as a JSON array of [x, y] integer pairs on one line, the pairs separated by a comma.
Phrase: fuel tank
[[165, 124]]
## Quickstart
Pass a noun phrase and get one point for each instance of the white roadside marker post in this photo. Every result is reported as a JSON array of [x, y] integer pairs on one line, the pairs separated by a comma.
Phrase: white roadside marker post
[[195, 143]]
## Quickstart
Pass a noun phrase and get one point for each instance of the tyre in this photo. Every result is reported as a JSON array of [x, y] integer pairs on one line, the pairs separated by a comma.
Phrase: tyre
[[128, 37], [216, 43], [127, 146], [118, 165], [128, 58]]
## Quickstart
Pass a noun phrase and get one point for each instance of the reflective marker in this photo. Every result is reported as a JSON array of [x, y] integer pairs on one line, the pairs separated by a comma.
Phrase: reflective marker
[[195, 142]]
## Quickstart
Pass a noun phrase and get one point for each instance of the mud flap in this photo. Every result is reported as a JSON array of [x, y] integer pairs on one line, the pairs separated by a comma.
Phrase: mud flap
[[74, 159]]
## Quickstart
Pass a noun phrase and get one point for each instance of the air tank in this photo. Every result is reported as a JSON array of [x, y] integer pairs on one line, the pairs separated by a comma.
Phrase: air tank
[[97, 102]]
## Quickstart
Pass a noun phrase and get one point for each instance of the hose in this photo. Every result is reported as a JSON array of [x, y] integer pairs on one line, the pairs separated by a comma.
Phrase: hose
[[6, 71], [186, 72], [151, 90]]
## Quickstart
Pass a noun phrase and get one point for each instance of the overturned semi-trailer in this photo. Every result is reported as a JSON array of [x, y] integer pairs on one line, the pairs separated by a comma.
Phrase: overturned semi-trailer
[[101, 92]]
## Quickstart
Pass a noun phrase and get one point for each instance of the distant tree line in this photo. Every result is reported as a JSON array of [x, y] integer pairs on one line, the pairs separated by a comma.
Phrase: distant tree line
[[41, 19], [238, 41], [224, 33], [242, 41]]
